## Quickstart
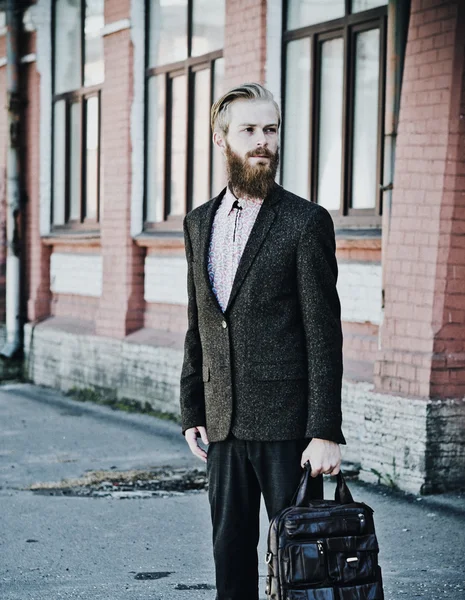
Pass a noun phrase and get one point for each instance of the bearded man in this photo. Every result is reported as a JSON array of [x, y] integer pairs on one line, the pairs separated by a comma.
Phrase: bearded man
[[261, 379]]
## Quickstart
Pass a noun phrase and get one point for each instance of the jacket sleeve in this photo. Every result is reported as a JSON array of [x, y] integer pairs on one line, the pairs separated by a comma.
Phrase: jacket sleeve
[[192, 391], [321, 313]]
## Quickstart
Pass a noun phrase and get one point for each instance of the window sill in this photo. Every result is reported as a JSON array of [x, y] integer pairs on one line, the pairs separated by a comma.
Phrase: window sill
[[361, 238], [167, 240], [72, 238]]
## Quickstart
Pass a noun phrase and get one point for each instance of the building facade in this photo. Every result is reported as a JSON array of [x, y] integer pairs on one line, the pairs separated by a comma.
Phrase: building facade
[[116, 148]]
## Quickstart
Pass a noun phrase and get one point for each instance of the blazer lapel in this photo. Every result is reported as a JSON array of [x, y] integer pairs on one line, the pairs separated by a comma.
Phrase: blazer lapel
[[257, 236], [205, 241]]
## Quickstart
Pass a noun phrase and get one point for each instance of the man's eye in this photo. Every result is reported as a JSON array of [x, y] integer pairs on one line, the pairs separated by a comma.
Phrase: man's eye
[[249, 129], [271, 130]]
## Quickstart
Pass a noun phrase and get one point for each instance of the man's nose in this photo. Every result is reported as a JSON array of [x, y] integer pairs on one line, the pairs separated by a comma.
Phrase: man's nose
[[261, 138]]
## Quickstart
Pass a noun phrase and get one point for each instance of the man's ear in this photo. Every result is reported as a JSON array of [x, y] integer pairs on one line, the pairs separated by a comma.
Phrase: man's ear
[[219, 141]]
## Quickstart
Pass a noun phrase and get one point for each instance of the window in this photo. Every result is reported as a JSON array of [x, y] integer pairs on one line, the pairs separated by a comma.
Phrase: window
[[333, 108], [184, 74], [78, 78]]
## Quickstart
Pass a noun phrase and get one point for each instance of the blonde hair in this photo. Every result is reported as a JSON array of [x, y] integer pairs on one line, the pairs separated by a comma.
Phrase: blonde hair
[[220, 117]]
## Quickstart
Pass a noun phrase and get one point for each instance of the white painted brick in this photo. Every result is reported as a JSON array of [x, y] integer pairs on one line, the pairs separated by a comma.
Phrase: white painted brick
[[165, 280], [79, 274], [359, 287]]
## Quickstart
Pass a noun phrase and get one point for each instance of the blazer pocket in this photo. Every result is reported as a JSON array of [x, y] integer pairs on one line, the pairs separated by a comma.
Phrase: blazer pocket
[[280, 371], [206, 373]]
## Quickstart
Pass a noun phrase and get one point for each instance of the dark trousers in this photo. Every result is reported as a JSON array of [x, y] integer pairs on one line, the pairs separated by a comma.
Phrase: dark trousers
[[238, 473]]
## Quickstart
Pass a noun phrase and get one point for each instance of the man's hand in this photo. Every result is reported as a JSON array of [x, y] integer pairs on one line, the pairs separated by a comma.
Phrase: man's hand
[[191, 436], [324, 457]]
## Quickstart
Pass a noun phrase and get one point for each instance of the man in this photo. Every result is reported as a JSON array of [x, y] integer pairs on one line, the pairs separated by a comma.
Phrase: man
[[261, 379]]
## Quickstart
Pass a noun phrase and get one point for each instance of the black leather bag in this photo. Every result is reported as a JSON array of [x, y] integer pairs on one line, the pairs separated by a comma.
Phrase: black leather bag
[[323, 549]]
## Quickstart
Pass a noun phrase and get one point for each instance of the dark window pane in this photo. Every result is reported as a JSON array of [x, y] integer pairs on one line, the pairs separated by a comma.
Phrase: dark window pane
[[208, 26], [365, 137], [156, 149], [75, 162], [218, 164], [92, 157], [330, 124], [359, 5], [296, 159], [94, 62], [168, 31], [59, 162], [178, 146], [201, 187], [67, 45], [309, 12]]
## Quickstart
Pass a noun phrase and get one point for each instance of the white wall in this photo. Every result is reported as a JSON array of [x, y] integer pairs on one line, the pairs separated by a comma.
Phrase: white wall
[[359, 287], [166, 279], [79, 274]]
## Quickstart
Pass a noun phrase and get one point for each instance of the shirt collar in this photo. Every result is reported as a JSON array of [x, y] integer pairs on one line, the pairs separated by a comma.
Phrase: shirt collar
[[230, 198]]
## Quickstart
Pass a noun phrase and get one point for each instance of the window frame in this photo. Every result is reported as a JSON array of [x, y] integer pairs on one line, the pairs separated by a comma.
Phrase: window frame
[[79, 95], [345, 28], [188, 68]]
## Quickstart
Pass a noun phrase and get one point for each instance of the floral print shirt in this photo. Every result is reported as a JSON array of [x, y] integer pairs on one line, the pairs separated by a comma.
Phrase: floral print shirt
[[231, 229]]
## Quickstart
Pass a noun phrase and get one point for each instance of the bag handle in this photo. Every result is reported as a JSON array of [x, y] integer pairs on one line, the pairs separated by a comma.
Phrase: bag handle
[[302, 497]]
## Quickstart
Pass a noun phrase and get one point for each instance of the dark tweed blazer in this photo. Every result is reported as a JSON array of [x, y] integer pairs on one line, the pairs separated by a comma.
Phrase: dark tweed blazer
[[270, 367]]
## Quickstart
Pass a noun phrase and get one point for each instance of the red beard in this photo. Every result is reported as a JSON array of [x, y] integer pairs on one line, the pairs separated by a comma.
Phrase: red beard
[[254, 181]]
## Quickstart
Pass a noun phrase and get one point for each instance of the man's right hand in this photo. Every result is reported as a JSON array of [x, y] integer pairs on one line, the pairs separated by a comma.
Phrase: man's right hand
[[191, 436]]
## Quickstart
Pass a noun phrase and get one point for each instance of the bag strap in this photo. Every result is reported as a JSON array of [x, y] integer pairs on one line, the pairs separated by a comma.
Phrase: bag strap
[[302, 496]]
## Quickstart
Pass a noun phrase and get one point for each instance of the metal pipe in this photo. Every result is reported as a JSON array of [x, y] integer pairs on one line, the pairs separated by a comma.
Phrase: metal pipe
[[14, 337], [398, 23]]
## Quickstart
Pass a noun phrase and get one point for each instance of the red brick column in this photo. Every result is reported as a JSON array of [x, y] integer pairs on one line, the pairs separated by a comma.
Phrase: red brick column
[[122, 304], [245, 42], [423, 334]]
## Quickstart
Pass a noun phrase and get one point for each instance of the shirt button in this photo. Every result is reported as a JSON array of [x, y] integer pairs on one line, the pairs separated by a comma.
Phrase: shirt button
[[224, 324]]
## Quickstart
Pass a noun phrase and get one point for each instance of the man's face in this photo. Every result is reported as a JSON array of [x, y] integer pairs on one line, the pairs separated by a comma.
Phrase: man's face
[[251, 147]]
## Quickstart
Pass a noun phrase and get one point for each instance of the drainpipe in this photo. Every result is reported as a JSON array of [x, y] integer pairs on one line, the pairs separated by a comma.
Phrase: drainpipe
[[398, 23], [13, 346]]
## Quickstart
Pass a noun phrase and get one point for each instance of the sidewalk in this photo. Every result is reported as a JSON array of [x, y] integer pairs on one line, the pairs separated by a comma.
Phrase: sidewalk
[[105, 548]]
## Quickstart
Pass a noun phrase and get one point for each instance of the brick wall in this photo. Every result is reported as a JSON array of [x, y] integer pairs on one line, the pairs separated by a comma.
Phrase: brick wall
[[121, 308], [77, 307], [245, 42], [426, 199], [448, 368], [169, 317]]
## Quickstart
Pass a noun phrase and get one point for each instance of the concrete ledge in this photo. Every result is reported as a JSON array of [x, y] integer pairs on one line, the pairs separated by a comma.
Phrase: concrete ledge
[[60, 357], [416, 445]]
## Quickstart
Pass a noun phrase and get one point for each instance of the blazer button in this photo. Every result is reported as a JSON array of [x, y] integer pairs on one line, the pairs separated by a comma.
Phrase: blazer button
[[224, 324]]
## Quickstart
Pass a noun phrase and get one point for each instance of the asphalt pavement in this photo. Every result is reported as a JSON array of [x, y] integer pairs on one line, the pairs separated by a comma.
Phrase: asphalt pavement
[[129, 548]]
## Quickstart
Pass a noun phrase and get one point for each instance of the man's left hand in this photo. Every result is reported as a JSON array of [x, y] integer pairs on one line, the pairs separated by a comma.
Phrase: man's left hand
[[324, 457]]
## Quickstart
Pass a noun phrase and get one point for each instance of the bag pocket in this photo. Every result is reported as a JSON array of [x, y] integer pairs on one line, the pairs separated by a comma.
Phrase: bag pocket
[[369, 591], [314, 594], [352, 559], [304, 563], [329, 525]]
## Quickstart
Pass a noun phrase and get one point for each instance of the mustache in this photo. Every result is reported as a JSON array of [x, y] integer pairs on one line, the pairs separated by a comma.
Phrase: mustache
[[264, 153]]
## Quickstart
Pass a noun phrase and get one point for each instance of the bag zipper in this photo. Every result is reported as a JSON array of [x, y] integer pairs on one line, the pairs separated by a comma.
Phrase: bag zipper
[[321, 553], [360, 517]]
